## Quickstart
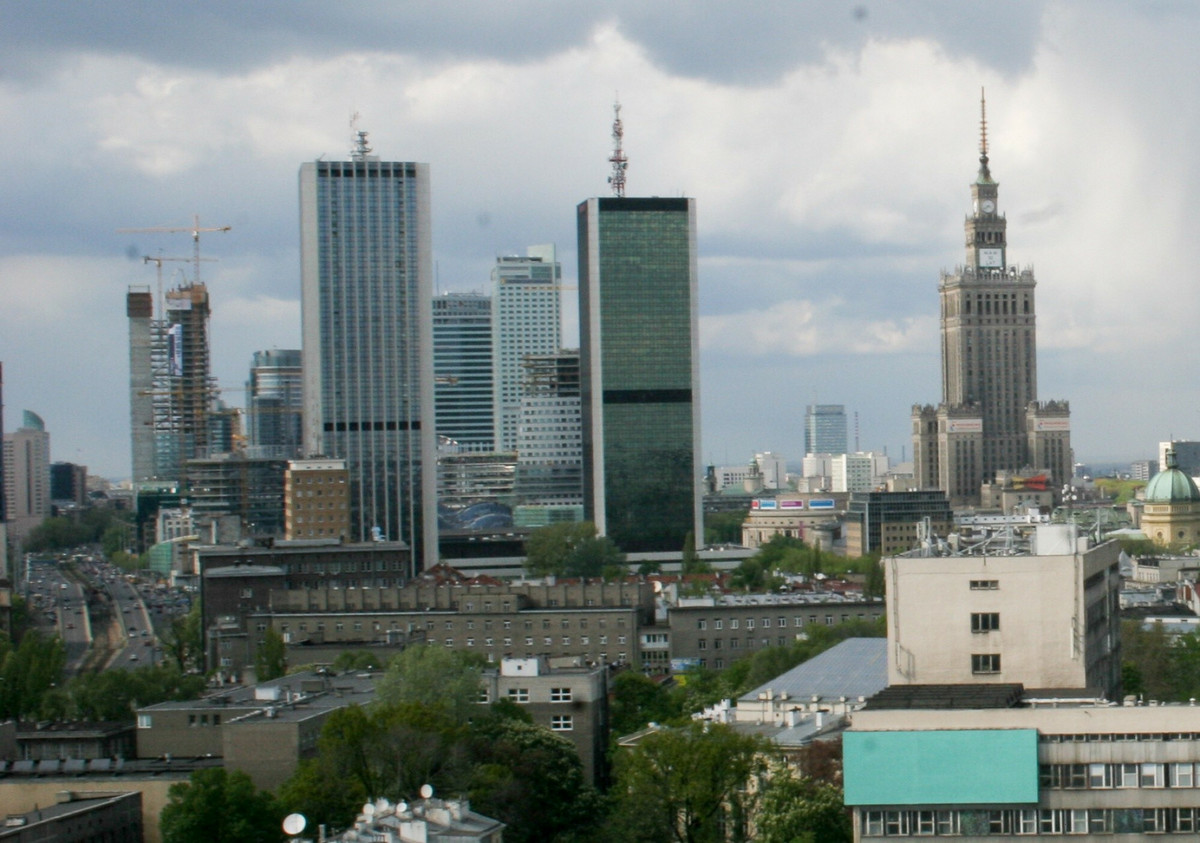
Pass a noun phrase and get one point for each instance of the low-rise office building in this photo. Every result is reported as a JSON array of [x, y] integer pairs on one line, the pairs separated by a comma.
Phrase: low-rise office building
[[716, 631]]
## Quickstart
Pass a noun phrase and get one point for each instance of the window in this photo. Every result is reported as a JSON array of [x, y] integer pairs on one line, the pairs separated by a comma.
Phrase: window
[[702, 644], [701, 624], [718, 624], [518, 695], [873, 824], [985, 585], [985, 663], [560, 695], [1128, 775], [1152, 775], [562, 722], [733, 623], [985, 621], [1099, 776], [1184, 819], [145, 721], [1182, 775]]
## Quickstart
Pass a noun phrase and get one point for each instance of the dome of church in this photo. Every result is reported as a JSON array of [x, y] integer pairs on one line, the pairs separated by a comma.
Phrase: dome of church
[[1171, 485]]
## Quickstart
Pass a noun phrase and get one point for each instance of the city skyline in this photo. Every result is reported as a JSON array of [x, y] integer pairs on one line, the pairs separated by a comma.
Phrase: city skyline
[[826, 149]]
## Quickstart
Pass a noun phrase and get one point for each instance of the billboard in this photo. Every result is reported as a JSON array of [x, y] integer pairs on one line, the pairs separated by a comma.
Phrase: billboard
[[964, 425], [821, 503], [175, 350], [791, 504], [1062, 425]]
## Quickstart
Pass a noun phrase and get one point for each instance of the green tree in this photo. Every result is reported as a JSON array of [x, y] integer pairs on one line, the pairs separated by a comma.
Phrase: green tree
[[115, 694], [688, 785], [220, 805], [270, 657], [183, 639], [548, 548], [445, 680], [520, 771], [800, 808], [636, 701], [29, 671], [724, 527], [1147, 653]]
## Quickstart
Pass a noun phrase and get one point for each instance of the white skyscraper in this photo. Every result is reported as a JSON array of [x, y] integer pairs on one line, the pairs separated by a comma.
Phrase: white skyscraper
[[526, 319], [367, 293]]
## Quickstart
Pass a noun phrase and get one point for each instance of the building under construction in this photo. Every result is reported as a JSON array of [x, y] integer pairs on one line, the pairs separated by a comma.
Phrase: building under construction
[[172, 390]]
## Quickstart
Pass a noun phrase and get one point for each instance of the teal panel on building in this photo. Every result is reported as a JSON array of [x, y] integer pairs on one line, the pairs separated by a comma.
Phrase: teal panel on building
[[967, 767]]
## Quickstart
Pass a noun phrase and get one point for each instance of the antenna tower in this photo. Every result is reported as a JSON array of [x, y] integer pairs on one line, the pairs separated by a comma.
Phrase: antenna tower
[[617, 159], [361, 149]]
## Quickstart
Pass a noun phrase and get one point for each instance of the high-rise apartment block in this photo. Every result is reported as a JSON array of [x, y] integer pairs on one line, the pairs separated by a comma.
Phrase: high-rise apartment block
[[526, 319], [27, 475], [462, 370], [639, 370], [825, 429], [989, 419], [367, 297], [275, 404]]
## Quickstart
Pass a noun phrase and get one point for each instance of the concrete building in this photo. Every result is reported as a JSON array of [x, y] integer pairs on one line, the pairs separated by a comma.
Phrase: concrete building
[[793, 515], [367, 297], [1187, 456], [989, 419], [975, 766], [26, 475], [639, 362], [275, 404], [716, 631], [68, 485], [568, 698], [859, 472], [1048, 618], [264, 730], [463, 393], [526, 319], [825, 429], [250, 488], [100, 816], [316, 500], [891, 522]]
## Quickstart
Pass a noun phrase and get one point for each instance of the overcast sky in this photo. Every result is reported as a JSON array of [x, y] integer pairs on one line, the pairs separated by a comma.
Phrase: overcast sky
[[830, 147]]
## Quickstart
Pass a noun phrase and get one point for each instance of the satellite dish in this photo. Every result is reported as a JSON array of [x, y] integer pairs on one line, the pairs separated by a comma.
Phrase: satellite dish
[[426, 791], [294, 824], [369, 809], [382, 805], [401, 807]]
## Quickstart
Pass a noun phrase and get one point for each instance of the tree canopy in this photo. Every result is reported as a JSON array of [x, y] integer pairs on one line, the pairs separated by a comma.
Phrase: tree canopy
[[220, 805], [571, 549], [442, 679]]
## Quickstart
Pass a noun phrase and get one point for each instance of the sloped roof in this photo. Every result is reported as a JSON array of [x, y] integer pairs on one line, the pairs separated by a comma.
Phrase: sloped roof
[[856, 667]]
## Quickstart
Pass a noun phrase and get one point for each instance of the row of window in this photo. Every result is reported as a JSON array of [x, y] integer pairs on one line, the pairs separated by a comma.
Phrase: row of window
[[1107, 776], [765, 623], [521, 695], [735, 643], [1030, 822], [547, 641]]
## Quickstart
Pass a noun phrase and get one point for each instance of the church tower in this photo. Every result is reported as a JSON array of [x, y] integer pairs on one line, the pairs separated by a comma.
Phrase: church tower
[[982, 429]]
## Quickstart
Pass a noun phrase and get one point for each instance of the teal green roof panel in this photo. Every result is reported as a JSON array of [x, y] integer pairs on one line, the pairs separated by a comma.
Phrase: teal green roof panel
[[966, 767]]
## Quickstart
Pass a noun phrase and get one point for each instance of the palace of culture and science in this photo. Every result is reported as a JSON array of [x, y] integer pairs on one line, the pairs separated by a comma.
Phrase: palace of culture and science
[[990, 424]]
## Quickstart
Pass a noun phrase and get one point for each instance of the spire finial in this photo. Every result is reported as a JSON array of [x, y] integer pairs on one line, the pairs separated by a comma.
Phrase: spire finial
[[985, 175], [617, 159]]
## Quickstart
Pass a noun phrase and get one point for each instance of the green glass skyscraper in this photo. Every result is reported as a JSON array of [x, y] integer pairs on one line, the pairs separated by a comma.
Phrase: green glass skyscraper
[[639, 365]]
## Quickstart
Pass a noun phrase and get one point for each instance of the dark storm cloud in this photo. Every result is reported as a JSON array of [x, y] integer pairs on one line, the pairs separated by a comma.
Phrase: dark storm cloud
[[736, 43]]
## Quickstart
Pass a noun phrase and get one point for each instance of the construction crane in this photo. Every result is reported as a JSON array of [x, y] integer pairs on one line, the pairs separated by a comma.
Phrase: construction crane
[[158, 262], [195, 228]]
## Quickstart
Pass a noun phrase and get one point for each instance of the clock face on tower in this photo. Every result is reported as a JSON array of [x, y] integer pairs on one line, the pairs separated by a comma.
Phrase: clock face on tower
[[991, 258], [988, 206]]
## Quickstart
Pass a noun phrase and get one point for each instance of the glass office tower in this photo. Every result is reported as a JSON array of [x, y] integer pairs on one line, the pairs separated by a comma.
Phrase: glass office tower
[[367, 291], [639, 366]]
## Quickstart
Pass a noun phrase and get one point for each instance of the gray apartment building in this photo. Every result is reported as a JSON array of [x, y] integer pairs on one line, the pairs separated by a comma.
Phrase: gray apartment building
[[716, 631]]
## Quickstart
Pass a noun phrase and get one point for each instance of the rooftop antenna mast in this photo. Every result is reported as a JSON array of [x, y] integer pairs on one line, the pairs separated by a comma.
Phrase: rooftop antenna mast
[[617, 159], [983, 156], [361, 149]]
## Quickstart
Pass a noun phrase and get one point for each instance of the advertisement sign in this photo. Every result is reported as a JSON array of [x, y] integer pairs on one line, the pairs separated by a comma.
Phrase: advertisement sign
[[791, 504], [821, 503], [1062, 425], [964, 425], [766, 504]]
